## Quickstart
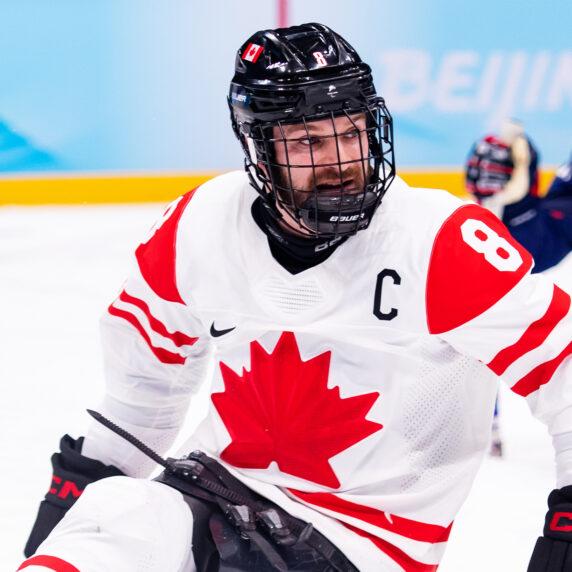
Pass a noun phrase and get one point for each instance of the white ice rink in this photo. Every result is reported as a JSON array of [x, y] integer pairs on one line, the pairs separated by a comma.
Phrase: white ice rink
[[59, 269]]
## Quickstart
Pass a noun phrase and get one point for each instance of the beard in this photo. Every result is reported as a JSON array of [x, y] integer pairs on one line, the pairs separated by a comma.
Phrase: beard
[[328, 181]]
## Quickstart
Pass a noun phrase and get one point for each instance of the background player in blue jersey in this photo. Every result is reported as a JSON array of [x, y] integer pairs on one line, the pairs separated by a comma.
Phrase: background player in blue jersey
[[502, 175]]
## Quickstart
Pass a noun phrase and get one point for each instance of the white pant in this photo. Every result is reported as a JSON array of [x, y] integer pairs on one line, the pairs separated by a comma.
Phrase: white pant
[[122, 524]]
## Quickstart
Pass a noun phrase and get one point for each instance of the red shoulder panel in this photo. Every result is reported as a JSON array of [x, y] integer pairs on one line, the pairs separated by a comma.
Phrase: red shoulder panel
[[474, 262], [157, 257]]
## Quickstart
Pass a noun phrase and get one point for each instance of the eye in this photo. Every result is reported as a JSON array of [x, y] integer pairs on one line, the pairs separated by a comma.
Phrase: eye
[[307, 141], [351, 134]]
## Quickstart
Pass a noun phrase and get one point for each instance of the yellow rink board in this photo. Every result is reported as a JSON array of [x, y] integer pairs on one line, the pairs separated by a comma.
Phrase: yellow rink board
[[105, 189]]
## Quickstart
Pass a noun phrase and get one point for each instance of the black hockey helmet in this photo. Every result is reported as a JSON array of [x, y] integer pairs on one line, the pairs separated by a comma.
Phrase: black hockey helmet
[[299, 75], [489, 167]]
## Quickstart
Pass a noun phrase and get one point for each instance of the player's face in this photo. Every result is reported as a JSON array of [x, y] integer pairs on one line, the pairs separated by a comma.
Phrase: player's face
[[323, 155], [328, 157]]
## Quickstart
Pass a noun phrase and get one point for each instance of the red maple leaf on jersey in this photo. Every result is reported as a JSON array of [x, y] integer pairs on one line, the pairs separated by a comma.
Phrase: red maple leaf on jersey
[[283, 411]]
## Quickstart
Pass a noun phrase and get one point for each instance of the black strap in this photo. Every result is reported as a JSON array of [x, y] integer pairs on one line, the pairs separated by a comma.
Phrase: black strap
[[200, 476], [235, 507]]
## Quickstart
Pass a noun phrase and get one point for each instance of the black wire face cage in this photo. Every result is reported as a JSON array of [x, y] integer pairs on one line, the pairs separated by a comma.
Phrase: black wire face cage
[[324, 174]]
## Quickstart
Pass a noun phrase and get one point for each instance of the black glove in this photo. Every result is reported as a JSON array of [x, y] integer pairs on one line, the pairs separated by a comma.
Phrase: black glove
[[553, 551], [72, 473]]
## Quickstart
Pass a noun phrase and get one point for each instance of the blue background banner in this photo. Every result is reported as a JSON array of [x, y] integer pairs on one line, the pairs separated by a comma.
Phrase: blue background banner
[[140, 87]]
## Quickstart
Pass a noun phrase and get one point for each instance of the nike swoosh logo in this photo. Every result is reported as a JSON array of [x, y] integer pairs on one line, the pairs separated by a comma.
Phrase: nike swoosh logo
[[216, 333]]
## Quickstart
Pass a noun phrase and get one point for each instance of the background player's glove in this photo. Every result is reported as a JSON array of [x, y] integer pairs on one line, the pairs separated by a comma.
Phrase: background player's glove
[[512, 134], [553, 551], [72, 473]]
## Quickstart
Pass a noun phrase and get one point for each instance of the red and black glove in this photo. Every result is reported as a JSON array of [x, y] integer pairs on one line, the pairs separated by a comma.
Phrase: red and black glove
[[553, 551], [72, 473]]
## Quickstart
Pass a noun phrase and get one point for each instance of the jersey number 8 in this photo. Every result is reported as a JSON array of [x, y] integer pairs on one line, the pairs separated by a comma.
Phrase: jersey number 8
[[496, 249]]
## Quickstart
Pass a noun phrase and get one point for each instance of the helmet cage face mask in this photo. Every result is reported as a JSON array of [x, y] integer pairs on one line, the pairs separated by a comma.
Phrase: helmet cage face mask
[[328, 196], [314, 93]]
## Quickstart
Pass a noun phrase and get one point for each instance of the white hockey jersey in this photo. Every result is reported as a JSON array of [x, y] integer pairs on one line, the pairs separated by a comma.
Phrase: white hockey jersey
[[358, 394]]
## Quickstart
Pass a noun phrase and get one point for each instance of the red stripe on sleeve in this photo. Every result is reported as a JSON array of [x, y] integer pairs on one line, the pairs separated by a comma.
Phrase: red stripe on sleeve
[[51, 562], [412, 529], [407, 563], [178, 338], [161, 354], [157, 256], [540, 374], [535, 334]]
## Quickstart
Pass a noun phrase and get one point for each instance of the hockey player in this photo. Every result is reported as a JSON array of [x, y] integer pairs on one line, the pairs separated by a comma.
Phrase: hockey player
[[357, 326], [502, 175]]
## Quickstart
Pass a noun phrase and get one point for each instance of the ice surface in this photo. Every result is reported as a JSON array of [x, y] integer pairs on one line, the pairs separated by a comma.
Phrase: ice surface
[[59, 269]]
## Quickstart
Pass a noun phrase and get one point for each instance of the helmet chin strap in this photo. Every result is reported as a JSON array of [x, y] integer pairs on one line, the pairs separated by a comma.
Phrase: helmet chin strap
[[340, 214], [332, 215]]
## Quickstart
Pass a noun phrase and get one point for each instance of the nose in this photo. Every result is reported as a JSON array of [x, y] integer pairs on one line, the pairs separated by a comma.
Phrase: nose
[[337, 150]]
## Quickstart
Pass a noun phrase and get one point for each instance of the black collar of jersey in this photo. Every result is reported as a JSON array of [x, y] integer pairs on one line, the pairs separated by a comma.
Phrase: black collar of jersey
[[294, 253]]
